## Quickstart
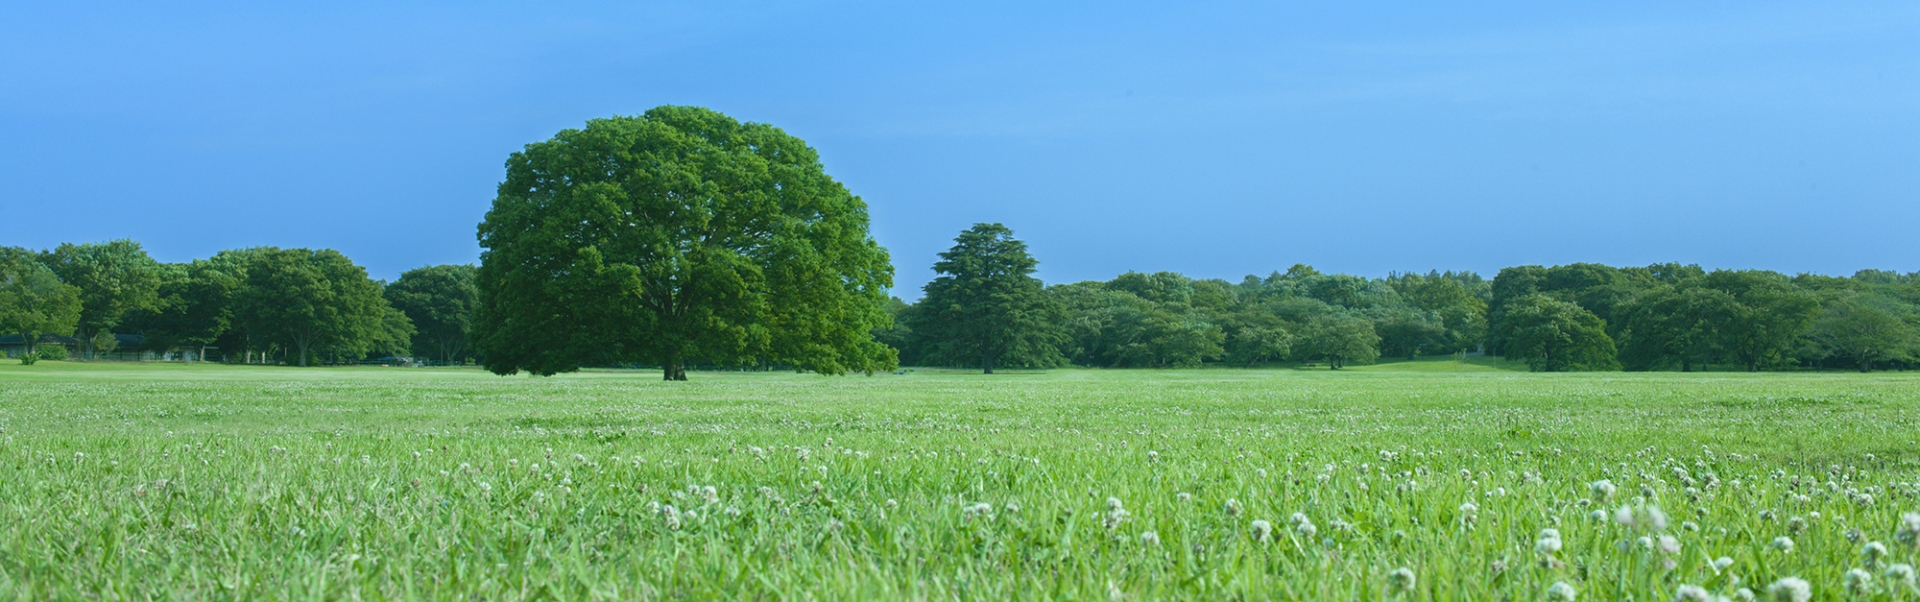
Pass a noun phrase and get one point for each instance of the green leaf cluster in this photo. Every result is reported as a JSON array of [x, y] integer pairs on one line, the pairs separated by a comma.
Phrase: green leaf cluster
[[985, 309], [677, 236]]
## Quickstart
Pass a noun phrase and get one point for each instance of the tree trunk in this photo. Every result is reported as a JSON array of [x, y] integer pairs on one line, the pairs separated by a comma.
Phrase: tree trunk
[[673, 369], [986, 364], [303, 356], [1753, 365], [1686, 365]]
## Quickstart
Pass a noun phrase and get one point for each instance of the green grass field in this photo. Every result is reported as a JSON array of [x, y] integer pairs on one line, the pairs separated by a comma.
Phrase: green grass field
[[127, 481]]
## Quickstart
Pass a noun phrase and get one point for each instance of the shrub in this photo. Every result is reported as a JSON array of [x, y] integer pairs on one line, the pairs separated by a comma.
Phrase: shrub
[[51, 352]]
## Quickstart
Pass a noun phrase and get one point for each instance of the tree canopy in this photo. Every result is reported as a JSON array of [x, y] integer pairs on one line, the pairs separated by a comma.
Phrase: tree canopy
[[678, 235], [317, 300], [114, 278], [1558, 336], [985, 308], [33, 300], [439, 301]]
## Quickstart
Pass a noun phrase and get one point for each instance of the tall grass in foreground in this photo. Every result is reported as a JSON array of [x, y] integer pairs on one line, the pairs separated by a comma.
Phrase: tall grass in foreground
[[165, 482]]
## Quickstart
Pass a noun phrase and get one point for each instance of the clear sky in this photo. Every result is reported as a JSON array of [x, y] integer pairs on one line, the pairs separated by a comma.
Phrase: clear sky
[[1213, 139]]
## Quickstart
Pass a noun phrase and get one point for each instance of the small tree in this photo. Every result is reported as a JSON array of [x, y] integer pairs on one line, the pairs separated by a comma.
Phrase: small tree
[[195, 307], [1866, 329], [314, 300], [1340, 338], [114, 278], [1557, 336], [985, 308], [33, 301], [439, 301]]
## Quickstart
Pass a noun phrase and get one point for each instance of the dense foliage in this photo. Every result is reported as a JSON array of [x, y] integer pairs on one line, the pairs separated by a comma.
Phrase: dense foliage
[[1564, 318], [985, 308], [439, 300], [677, 236], [33, 300]]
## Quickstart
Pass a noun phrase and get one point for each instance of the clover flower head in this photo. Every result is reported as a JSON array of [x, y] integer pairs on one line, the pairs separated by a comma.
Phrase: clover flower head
[[1790, 589]]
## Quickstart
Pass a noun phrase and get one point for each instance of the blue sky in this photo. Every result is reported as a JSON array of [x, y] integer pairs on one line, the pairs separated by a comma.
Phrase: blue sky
[[1214, 139]]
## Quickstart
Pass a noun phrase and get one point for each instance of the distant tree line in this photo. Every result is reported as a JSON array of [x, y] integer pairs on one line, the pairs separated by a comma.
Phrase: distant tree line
[[986, 310], [259, 305]]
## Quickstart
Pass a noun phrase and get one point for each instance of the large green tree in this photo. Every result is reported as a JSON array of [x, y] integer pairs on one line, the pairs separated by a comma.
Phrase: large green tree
[[1867, 328], [315, 300], [195, 306], [1558, 336], [114, 278], [439, 301], [1766, 316], [985, 308], [1672, 325], [1341, 338], [33, 301], [678, 235]]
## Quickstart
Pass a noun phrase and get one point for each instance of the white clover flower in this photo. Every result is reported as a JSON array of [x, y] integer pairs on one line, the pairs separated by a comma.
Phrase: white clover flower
[[1183, 497], [1692, 593], [670, 516], [709, 495], [1548, 543], [1790, 589], [1149, 538], [1656, 520], [1116, 514], [1859, 581], [981, 510], [1262, 530], [1602, 489], [1782, 543], [485, 488], [1561, 592], [1743, 595], [1624, 516], [1901, 574], [1721, 564], [1468, 511], [1909, 531], [1401, 580], [579, 458], [1871, 553], [1306, 529], [1669, 545], [1233, 507], [1597, 515], [892, 503], [1153, 456]]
